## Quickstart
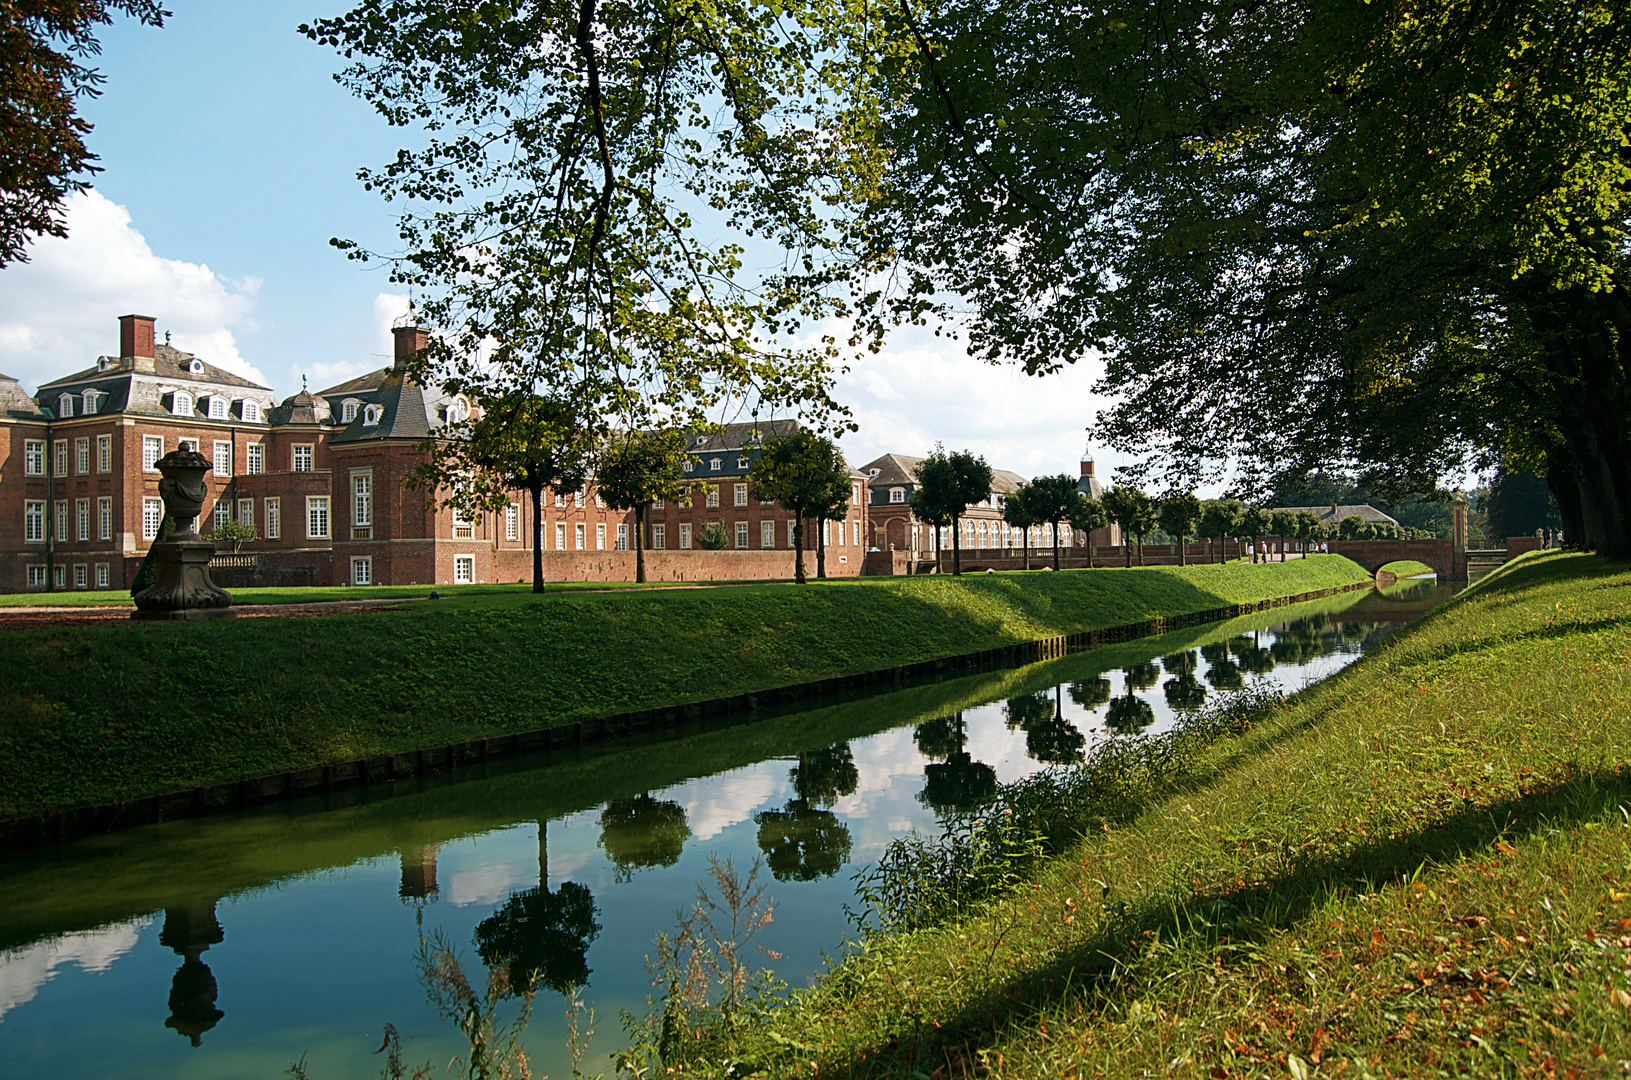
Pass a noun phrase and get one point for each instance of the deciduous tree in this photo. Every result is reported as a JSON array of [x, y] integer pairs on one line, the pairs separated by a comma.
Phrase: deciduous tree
[[637, 468], [947, 485], [806, 474], [1017, 512], [1054, 499], [1179, 513], [1088, 518], [1134, 511]]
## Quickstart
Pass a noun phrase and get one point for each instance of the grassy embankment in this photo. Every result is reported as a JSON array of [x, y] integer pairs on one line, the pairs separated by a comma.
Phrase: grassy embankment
[[99, 712], [1419, 867], [1408, 568], [316, 594]]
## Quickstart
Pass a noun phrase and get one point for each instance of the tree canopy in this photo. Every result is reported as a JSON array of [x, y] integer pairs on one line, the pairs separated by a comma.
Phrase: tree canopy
[[806, 474], [947, 485], [637, 468]]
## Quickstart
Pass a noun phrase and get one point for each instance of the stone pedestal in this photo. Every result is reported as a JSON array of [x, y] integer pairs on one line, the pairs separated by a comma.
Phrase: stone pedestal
[[184, 589]]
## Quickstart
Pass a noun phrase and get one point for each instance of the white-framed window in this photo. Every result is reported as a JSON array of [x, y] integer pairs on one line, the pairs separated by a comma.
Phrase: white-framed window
[[65, 406], [33, 457], [348, 411], [362, 498], [656, 504], [221, 514], [742, 462], [246, 512], [897, 495], [104, 576], [855, 531], [218, 407], [741, 534], [600, 536], [256, 454], [855, 493], [713, 496], [302, 457], [767, 534], [274, 518], [741, 495], [82, 577], [181, 403], [792, 524], [104, 453], [840, 532], [316, 517], [362, 569], [62, 520], [713, 464], [600, 503], [223, 457], [512, 522], [59, 575], [252, 412], [152, 450], [61, 464], [104, 518], [622, 538], [579, 530], [579, 498], [371, 415], [34, 522], [463, 527], [36, 576], [152, 518], [187, 444], [82, 519], [690, 466], [685, 537], [464, 569], [560, 536], [88, 402], [826, 533], [82, 456], [659, 537]]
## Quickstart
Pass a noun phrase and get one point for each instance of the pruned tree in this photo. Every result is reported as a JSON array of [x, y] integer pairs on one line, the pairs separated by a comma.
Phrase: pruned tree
[[947, 485], [1179, 513], [1018, 513], [514, 441], [1307, 528], [1219, 520], [43, 77], [806, 474], [1134, 511], [1087, 518], [1254, 523], [637, 468], [1054, 500], [233, 533]]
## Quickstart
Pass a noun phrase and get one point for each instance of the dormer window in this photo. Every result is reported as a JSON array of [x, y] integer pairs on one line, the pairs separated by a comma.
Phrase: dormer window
[[348, 411], [196, 367], [701, 439], [690, 466], [872, 473], [456, 412], [218, 407], [181, 403], [65, 406], [88, 402], [713, 465], [742, 462], [897, 495], [251, 412], [371, 415]]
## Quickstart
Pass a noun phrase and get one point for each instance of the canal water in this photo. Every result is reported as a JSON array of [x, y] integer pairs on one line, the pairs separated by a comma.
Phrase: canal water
[[231, 946]]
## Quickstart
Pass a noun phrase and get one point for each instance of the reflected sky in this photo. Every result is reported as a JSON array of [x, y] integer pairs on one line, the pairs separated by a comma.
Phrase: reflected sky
[[229, 946]]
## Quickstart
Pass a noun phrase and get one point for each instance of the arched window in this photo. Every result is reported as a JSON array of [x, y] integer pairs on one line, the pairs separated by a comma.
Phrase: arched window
[[897, 495], [252, 412], [348, 411], [181, 404], [65, 406], [218, 407], [88, 400], [371, 415]]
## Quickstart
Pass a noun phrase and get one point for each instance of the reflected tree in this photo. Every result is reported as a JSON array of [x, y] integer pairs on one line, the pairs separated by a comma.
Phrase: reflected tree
[[1049, 737], [1141, 676], [1224, 675], [805, 840], [823, 777], [1130, 714], [956, 782], [541, 935], [189, 931], [1250, 655], [1091, 693], [1184, 692], [643, 832]]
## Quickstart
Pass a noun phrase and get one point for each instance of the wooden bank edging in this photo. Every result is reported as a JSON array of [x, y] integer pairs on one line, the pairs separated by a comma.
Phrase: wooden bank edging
[[382, 769]]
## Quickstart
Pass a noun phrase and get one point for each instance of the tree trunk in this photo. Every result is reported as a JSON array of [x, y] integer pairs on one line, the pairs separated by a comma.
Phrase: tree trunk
[[1183, 554], [957, 545], [1055, 526], [640, 544], [1126, 550], [1141, 549], [537, 493], [798, 549], [1092, 551], [1025, 545], [821, 552]]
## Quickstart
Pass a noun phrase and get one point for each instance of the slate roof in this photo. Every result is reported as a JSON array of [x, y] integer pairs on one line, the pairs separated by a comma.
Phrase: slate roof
[[168, 363], [1090, 486], [410, 413], [738, 436], [1331, 514], [893, 469], [15, 402]]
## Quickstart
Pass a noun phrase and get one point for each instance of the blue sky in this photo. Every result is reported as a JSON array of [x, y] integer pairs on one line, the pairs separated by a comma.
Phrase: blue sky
[[229, 159]]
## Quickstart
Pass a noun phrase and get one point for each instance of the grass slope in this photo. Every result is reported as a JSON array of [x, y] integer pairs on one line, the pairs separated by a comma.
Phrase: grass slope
[[1419, 867], [92, 713]]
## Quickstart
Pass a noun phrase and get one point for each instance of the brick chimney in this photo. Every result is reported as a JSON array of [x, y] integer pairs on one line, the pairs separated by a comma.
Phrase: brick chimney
[[136, 342], [409, 341], [1087, 466]]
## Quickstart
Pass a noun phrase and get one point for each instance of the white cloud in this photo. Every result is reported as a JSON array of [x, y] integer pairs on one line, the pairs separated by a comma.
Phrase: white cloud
[[59, 310], [25, 970]]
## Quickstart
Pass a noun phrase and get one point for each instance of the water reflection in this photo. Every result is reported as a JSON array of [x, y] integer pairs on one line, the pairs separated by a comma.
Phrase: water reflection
[[313, 893]]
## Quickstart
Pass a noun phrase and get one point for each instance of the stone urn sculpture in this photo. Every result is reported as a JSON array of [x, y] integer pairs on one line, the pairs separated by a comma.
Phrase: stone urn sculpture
[[183, 589]]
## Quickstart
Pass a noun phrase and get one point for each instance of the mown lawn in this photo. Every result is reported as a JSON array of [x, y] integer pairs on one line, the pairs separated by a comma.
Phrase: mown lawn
[[294, 594], [98, 712], [1421, 867]]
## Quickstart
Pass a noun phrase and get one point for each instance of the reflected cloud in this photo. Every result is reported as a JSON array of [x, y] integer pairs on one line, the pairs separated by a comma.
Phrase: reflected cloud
[[24, 971]]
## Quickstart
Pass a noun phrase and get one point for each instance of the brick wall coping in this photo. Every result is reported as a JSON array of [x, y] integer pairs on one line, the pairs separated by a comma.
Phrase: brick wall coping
[[63, 825]]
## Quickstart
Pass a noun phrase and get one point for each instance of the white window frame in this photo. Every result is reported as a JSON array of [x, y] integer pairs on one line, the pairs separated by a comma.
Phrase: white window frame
[[152, 450], [767, 533], [218, 407], [742, 534], [464, 569], [579, 536], [36, 575], [362, 499], [362, 569], [61, 457], [152, 518], [685, 536], [742, 462], [59, 574], [713, 496], [579, 498], [223, 456], [88, 403], [690, 466], [251, 412], [792, 524], [34, 521], [104, 575], [65, 406], [62, 521], [623, 537], [713, 464], [181, 403], [560, 536], [221, 514], [348, 411], [740, 496], [897, 495], [104, 517], [82, 576], [82, 520], [855, 531], [826, 532], [33, 457], [104, 453], [255, 459], [512, 522], [371, 415], [302, 454], [656, 504], [187, 444], [272, 511], [82, 456], [600, 536], [318, 525], [246, 512], [659, 538]]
